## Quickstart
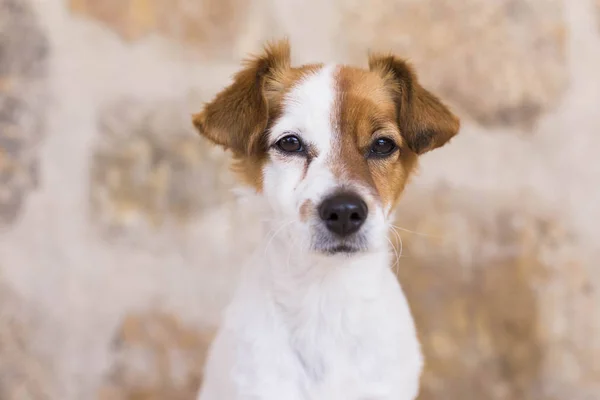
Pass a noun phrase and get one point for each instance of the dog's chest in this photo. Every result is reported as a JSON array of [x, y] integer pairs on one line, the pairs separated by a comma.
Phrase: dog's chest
[[339, 347], [321, 343]]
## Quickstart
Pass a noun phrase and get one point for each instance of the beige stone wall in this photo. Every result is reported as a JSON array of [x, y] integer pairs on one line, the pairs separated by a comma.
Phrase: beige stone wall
[[120, 237]]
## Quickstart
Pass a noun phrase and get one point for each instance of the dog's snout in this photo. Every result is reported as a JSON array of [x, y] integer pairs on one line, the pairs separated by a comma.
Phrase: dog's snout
[[343, 214]]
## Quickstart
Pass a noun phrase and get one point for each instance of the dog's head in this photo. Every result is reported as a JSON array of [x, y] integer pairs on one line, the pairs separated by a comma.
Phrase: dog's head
[[330, 147]]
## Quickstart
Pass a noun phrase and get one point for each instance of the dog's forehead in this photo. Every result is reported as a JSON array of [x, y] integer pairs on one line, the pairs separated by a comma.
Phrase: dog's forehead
[[308, 106], [323, 102]]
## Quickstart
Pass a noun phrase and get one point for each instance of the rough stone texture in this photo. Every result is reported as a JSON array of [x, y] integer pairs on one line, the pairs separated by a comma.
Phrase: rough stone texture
[[24, 373], [501, 272], [211, 26], [501, 62], [150, 169], [478, 313], [156, 357], [23, 64]]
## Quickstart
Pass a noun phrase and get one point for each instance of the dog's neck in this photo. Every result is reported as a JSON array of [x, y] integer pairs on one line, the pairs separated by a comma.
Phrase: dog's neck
[[291, 274]]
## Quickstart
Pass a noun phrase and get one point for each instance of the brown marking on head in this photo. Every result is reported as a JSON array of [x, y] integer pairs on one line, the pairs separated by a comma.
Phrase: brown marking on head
[[306, 210], [378, 103], [239, 116], [311, 154]]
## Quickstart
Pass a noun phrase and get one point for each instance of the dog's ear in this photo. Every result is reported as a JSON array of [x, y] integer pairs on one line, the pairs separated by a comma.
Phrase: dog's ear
[[424, 121], [238, 116]]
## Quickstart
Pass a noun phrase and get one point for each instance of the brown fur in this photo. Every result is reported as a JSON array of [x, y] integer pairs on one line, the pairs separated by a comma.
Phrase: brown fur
[[238, 117], [365, 110], [386, 101], [306, 210], [424, 121]]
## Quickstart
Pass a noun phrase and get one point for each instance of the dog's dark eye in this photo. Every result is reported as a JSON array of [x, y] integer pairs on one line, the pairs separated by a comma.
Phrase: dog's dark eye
[[383, 147], [290, 144]]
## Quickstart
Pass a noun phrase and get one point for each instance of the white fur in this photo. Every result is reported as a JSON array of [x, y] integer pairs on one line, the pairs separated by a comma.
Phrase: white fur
[[304, 325]]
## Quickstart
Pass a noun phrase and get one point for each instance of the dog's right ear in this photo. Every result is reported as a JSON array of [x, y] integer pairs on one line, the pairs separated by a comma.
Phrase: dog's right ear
[[424, 121], [238, 116]]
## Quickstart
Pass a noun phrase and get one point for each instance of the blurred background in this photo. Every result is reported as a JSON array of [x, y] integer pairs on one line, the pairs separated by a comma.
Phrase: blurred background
[[120, 237]]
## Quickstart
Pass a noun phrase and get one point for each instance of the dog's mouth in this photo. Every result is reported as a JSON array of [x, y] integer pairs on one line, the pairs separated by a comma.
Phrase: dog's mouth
[[342, 249]]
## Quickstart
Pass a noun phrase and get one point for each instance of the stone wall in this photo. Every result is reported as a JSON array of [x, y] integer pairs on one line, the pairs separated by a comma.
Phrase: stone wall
[[120, 236]]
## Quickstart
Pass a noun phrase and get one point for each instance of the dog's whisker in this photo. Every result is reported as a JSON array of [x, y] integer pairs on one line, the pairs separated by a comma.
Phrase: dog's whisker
[[401, 248], [269, 219], [289, 255], [396, 265], [276, 231], [399, 240], [395, 233], [414, 232]]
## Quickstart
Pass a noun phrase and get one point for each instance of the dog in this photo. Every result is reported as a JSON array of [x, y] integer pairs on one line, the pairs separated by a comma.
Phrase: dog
[[327, 150]]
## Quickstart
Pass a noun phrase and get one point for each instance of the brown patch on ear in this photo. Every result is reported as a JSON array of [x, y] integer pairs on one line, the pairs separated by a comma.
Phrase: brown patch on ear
[[424, 121], [238, 116]]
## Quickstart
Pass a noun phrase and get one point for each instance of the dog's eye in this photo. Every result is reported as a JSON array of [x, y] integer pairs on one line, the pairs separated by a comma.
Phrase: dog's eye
[[383, 147], [290, 144]]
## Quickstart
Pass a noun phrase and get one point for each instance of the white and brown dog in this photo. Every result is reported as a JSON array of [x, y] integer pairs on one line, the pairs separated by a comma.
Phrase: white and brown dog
[[318, 312]]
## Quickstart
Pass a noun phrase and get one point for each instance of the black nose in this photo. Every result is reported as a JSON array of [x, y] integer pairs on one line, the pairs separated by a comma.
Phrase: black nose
[[344, 213]]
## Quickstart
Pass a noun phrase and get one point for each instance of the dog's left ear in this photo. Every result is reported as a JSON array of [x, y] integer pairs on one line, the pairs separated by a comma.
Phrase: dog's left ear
[[424, 121], [238, 116]]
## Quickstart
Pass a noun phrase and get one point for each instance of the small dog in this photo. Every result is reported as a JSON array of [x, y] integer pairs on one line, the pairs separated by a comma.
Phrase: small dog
[[318, 313]]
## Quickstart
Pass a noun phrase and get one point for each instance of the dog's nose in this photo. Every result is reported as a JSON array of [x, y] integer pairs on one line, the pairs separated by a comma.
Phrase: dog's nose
[[344, 213]]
